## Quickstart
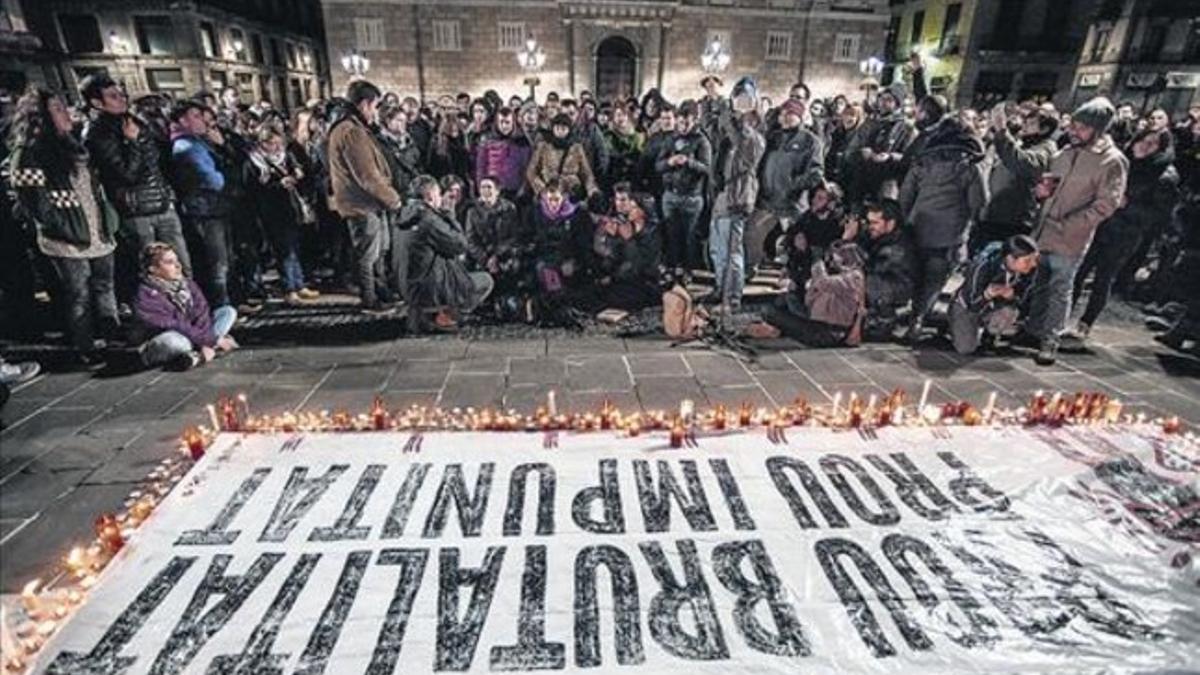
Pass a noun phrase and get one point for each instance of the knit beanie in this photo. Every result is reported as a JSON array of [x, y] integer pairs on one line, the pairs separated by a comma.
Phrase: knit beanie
[[1097, 113]]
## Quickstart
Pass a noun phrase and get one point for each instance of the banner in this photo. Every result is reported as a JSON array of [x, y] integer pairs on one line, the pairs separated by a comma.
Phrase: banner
[[915, 550]]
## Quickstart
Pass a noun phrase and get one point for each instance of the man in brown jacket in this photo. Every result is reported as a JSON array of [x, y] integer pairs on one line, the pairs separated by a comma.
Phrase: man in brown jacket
[[1085, 185], [362, 188]]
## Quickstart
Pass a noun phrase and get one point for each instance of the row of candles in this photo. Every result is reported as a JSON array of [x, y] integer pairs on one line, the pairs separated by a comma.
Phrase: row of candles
[[45, 609]]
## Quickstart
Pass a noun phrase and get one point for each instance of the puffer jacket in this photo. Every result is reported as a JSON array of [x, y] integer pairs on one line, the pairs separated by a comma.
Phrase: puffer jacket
[[358, 169], [505, 158], [436, 275], [131, 171], [1018, 166], [1091, 187], [688, 179], [793, 164], [199, 177], [944, 191]]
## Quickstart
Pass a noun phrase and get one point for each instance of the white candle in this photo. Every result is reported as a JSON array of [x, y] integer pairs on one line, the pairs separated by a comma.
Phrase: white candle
[[551, 404], [212, 415], [837, 399], [924, 396], [686, 409], [871, 403], [991, 406]]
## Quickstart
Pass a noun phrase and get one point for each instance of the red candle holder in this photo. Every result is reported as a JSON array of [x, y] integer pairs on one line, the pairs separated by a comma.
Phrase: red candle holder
[[195, 443], [108, 531]]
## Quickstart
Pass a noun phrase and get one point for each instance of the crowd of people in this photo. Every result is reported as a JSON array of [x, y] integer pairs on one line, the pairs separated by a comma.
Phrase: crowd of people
[[891, 218]]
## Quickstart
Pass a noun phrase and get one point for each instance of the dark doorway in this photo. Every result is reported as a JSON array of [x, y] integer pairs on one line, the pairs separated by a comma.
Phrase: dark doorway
[[616, 69]]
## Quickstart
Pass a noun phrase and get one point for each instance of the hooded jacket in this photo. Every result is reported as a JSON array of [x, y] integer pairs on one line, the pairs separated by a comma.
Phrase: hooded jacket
[[1090, 188], [944, 190], [988, 268], [131, 170], [358, 169], [1018, 166], [157, 314], [793, 163]]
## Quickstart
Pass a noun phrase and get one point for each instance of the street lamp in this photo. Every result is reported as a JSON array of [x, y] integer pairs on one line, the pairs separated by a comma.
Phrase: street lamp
[[870, 68], [715, 58], [531, 58], [356, 64]]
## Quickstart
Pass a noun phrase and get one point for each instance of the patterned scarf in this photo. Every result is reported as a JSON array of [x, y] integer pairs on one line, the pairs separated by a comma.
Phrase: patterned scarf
[[177, 291]]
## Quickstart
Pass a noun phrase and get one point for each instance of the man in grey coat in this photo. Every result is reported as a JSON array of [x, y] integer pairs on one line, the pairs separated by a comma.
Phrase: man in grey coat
[[1083, 187]]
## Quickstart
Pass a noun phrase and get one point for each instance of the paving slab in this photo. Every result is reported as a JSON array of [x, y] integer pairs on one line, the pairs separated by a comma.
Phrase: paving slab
[[607, 372]]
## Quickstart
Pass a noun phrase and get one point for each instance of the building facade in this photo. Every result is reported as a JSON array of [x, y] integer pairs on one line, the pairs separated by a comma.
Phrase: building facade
[[268, 49], [1144, 52], [978, 52], [429, 48]]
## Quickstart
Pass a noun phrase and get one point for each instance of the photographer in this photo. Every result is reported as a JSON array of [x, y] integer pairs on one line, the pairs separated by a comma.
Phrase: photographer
[[988, 303]]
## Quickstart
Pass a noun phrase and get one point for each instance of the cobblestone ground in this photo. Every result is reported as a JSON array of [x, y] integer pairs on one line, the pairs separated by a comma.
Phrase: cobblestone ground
[[75, 444]]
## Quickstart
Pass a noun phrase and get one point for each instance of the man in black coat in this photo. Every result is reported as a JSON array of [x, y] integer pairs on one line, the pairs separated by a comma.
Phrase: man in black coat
[[684, 164], [892, 268], [130, 164]]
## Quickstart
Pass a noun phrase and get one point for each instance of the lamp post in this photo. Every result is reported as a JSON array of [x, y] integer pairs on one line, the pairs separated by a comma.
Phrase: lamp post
[[715, 58], [356, 65], [531, 58], [870, 68]]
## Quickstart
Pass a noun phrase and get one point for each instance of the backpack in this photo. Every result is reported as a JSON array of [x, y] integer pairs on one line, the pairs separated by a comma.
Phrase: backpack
[[680, 317]]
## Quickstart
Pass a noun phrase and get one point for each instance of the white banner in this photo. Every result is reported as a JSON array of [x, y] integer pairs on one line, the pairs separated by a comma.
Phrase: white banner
[[908, 550]]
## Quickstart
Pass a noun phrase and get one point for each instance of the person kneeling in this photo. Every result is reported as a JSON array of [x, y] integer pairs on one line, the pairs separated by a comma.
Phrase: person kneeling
[[987, 305], [172, 308], [438, 280], [833, 306], [626, 250]]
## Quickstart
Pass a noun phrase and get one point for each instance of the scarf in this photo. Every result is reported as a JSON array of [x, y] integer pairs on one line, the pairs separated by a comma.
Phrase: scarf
[[177, 292], [565, 211]]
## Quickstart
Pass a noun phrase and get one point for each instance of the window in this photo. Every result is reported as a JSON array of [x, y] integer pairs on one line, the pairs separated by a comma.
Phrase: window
[[217, 79], [918, 27], [81, 32], [256, 49], [276, 56], [208, 39], [165, 79], [845, 47], [245, 85], [446, 36], [512, 35], [949, 42], [1100, 44], [155, 34], [368, 34], [238, 43], [293, 62], [779, 46]]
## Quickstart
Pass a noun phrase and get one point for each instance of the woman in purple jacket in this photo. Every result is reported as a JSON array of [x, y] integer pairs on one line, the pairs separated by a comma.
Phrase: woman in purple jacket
[[172, 308]]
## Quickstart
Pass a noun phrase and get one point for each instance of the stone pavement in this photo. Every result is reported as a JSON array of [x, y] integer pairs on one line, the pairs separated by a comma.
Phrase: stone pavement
[[75, 444]]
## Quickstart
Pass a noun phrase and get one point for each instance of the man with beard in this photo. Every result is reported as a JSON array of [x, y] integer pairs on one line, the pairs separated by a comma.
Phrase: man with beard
[[684, 165], [892, 267], [882, 144], [793, 164], [1083, 187], [1023, 147], [503, 155], [942, 195], [626, 254]]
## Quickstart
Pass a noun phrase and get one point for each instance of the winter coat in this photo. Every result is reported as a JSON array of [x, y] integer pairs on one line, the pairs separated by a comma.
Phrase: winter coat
[[569, 164], [944, 190], [358, 169], [687, 179], [404, 160], [199, 180], [737, 170], [594, 145], [157, 314], [624, 157], [892, 265], [1150, 197], [793, 163], [49, 200], [493, 231], [837, 160], [620, 259], [1017, 167], [131, 171], [986, 269], [436, 275], [564, 236], [275, 204], [505, 158], [1091, 186], [889, 135]]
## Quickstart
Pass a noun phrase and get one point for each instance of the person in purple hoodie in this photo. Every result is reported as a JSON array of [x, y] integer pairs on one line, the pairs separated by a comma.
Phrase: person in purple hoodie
[[504, 155], [171, 308]]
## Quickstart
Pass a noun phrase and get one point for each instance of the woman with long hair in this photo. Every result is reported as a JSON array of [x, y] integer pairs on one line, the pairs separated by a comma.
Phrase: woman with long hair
[[61, 196]]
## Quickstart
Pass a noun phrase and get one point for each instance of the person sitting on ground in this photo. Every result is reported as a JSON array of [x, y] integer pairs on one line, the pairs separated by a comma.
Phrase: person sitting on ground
[[562, 233], [892, 268], [497, 244], [987, 305], [809, 237], [833, 307], [172, 310], [627, 250], [438, 280]]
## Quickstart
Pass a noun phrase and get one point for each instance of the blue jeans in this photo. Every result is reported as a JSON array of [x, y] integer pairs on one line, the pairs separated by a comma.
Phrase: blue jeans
[[681, 214], [1051, 303], [727, 256], [285, 241], [164, 227], [168, 345], [87, 296]]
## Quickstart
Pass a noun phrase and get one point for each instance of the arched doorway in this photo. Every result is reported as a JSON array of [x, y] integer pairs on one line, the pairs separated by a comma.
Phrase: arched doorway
[[616, 68]]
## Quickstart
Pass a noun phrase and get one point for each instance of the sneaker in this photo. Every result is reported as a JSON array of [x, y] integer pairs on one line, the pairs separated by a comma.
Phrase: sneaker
[[308, 294], [377, 308], [1075, 340], [292, 299], [1047, 354], [17, 373]]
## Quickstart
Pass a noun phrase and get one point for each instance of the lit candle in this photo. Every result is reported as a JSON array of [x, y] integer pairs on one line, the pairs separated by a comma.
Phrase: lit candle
[[551, 403], [195, 443], [686, 409], [871, 403], [924, 396], [30, 599], [677, 433], [245, 406], [109, 533], [212, 416], [991, 407], [719, 418], [837, 400]]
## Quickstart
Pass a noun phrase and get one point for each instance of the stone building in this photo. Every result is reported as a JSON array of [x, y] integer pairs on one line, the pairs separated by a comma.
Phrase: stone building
[[268, 49], [982, 51], [610, 47], [1144, 52]]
